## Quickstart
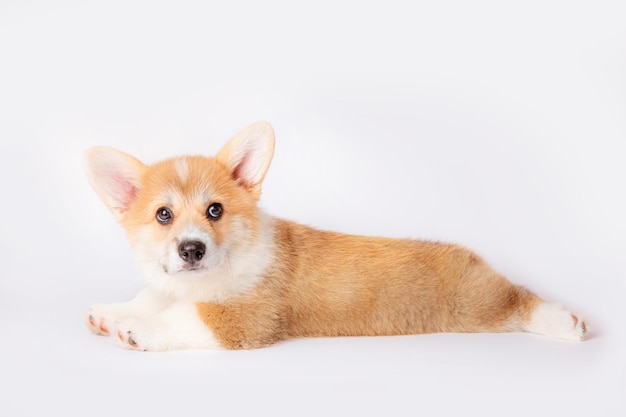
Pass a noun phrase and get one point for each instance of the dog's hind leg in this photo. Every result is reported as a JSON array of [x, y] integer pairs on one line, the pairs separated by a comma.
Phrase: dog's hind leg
[[489, 302]]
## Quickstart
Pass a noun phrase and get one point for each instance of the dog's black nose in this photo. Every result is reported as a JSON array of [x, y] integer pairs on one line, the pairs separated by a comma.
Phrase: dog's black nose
[[191, 251]]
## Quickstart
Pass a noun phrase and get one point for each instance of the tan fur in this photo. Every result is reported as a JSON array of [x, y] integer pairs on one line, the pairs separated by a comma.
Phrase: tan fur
[[329, 284]]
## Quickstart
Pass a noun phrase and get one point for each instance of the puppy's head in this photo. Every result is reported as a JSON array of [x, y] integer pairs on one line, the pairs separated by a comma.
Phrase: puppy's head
[[187, 216]]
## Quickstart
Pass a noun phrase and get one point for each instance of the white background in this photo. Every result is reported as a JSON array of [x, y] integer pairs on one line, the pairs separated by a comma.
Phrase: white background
[[499, 125]]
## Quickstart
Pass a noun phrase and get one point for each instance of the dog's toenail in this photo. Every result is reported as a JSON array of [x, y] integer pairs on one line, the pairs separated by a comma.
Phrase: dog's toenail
[[131, 341]]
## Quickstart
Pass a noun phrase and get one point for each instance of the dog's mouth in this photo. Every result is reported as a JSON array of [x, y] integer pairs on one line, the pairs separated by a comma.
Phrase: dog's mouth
[[207, 264], [184, 268], [188, 268]]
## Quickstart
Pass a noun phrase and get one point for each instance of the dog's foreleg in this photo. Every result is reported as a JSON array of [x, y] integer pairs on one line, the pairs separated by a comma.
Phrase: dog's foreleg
[[177, 327], [101, 317]]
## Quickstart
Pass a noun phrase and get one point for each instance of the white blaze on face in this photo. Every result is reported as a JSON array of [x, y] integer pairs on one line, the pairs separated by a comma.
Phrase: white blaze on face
[[182, 169]]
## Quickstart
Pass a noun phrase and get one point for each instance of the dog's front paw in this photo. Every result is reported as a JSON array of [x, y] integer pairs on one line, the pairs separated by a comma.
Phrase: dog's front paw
[[134, 334], [99, 319]]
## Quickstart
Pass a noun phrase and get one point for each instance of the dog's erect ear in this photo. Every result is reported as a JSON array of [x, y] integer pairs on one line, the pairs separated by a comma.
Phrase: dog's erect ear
[[248, 154], [115, 176]]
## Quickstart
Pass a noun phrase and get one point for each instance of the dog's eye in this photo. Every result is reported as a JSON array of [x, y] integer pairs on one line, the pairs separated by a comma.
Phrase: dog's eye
[[215, 211], [164, 215]]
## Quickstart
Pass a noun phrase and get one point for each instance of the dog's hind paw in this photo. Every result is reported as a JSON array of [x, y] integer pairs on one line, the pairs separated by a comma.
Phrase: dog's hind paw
[[554, 320]]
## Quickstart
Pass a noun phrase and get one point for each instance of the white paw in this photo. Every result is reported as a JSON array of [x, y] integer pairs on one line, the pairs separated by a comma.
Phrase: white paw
[[554, 320], [100, 319], [135, 334]]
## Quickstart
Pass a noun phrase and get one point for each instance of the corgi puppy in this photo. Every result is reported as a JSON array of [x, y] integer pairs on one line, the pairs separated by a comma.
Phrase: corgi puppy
[[221, 273]]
